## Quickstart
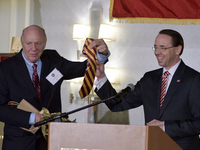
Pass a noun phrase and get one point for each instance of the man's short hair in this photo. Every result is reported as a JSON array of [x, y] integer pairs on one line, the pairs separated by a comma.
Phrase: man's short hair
[[177, 39]]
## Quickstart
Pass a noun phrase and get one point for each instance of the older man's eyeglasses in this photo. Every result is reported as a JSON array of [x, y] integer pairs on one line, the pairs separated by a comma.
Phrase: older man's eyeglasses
[[161, 48]]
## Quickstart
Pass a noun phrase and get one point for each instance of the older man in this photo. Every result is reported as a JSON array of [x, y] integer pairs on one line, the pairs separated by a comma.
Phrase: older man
[[16, 74]]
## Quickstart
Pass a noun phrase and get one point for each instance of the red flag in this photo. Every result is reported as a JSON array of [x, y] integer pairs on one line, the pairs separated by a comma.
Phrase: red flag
[[158, 11]]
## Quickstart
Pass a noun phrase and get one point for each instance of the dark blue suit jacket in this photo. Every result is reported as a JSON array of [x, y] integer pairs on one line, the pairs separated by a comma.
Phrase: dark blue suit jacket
[[16, 84], [181, 107]]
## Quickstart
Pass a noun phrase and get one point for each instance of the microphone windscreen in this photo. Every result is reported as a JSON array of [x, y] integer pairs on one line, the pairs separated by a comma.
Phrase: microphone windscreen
[[131, 86]]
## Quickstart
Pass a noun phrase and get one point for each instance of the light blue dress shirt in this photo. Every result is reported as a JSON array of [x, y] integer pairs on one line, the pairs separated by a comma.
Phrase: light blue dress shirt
[[102, 58]]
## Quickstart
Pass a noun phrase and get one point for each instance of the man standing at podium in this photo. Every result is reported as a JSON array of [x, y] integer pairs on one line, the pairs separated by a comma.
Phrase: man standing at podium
[[170, 95], [18, 76]]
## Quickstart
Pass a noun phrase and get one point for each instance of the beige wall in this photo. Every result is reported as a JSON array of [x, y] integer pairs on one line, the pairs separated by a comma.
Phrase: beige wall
[[12, 21], [5, 8]]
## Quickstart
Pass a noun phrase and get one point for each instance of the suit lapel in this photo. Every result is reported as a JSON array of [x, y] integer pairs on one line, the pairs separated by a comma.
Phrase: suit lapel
[[157, 86], [178, 76], [44, 83], [44, 71], [23, 72]]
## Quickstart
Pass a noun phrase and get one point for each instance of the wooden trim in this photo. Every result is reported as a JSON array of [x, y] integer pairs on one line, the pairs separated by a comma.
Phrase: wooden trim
[[4, 56]]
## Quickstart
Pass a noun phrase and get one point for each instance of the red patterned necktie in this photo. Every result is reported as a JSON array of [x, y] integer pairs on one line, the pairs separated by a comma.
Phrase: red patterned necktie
[[36, 82], [163, 87], [89, 77]]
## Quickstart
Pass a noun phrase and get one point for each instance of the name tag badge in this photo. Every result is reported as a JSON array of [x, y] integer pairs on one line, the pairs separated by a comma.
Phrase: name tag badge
[[54, 76]]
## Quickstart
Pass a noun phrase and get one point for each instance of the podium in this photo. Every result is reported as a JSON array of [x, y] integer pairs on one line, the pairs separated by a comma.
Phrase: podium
[[71, 136]]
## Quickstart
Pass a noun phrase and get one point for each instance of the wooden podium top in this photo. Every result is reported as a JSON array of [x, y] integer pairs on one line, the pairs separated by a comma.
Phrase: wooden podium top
[[69, 136]]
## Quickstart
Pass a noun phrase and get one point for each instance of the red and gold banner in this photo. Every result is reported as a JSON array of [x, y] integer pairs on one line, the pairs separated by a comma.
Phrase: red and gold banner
[[156, 11]]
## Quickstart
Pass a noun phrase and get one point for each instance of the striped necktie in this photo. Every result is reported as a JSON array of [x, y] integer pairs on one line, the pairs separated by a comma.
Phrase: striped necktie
[[36, 82], [89, 77], [163, 87]]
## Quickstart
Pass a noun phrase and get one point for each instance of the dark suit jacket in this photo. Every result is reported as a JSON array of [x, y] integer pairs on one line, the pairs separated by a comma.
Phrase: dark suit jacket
[[181, 107], [16, 84]]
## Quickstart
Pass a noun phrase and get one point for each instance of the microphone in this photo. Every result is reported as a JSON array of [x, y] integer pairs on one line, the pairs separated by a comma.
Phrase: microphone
[[130, 87], [118, 96]]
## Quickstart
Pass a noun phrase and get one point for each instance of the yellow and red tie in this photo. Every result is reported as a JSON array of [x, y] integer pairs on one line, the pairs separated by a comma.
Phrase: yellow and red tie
[[89, 77]]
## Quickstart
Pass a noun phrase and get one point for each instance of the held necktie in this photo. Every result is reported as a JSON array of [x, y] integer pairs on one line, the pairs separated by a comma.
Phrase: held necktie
[[89, 77], [163, 87], [36, 82]]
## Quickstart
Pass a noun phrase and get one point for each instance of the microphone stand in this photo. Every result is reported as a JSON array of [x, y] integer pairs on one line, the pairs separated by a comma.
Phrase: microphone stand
[[65, 114]]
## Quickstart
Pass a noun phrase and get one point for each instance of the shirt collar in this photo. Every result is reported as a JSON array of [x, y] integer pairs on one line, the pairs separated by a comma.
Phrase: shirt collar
[[172, 69]]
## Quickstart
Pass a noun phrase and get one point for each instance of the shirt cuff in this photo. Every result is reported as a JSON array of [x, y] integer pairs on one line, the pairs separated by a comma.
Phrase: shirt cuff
[[32, 118], [102, 58], [100, 83]]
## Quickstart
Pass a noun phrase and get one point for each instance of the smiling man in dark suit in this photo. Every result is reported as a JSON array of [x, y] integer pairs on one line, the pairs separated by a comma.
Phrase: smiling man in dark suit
[[179, 114], [16, 84]]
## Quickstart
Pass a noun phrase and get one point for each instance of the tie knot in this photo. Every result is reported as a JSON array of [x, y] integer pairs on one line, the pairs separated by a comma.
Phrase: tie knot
[[166, 74], [34, 67]]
